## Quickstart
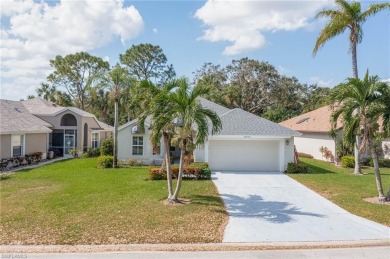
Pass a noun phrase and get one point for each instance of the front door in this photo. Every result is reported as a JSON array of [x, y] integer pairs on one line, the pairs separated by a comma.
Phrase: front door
[[69, 143]]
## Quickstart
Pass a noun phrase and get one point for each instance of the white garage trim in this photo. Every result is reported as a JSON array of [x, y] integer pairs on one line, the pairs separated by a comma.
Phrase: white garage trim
[[246, 155]]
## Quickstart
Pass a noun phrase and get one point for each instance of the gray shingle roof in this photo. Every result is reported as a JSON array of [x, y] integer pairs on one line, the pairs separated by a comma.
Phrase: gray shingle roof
[[219, 109], [239, 122], [14, 117]]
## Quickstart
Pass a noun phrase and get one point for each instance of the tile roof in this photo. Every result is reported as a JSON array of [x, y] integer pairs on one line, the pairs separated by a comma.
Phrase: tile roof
[[240, 122], [314, 121], [14, 117]]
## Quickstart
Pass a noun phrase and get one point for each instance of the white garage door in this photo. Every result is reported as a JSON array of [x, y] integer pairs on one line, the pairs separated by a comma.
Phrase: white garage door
[[248, 155]]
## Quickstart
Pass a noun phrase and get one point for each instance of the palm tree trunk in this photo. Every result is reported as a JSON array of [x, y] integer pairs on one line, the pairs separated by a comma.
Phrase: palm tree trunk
[[115, 162], [167, 163], [378, 180], [357, 170], [181, 169]]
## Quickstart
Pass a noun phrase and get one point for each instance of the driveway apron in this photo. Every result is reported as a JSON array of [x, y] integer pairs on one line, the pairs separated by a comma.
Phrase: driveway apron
[[274, 207]]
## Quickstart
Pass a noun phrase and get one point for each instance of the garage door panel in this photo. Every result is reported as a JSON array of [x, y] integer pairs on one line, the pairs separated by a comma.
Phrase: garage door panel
[[244, 155]]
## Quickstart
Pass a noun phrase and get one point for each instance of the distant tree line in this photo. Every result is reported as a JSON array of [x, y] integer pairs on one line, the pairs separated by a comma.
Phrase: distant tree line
[[82, 80]]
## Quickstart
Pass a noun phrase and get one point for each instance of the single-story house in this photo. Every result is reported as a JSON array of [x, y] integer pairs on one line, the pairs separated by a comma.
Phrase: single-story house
[[246, 142], [314, 127], [37, 125]]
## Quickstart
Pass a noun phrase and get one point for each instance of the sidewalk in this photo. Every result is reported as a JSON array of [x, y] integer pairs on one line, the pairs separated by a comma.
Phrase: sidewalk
[[37, 165]]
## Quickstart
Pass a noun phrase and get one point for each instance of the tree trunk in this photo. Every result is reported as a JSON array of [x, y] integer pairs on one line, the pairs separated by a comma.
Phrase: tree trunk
[[181, 169], [115, 162], [357, 170], [168, 165], [378, 180]]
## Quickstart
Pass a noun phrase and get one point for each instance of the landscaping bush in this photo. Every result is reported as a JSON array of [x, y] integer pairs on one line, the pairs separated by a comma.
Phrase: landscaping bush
[[105, 161], [383, 162], [293, 168], [189, 172], [107, 147], [304, 155], [348, 162]]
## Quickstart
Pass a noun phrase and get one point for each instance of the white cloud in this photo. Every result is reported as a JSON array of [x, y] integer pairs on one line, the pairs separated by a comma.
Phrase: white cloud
[[37, 32], [321, 82], [155, 30], [243, 22]]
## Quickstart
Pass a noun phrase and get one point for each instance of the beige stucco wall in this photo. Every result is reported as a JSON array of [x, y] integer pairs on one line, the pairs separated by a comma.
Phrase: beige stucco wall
[[36, 143], [310, 143], [91, 122], [5, 141]]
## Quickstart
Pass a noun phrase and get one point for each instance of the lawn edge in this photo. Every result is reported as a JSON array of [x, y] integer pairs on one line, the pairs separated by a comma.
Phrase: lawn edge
[[192, 247]]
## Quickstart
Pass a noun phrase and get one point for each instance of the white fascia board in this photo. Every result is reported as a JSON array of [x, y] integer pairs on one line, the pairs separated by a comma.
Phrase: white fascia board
[[25, 132], [127, 124], [246, 137]]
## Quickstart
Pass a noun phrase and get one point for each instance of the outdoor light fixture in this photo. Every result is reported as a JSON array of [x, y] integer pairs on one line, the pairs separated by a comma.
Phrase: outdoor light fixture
[[287, 142]]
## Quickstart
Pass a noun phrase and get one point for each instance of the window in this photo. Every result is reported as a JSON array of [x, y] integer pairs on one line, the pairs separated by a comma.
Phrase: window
[[95, 140], [68, 120], [138, 146], [17, 145]]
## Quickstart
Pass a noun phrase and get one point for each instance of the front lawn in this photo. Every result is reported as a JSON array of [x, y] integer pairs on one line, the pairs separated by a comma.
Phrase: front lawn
[[347, 190], [74, 202]]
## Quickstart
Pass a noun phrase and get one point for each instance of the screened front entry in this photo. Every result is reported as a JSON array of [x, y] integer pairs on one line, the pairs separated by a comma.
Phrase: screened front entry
[[61, 141]]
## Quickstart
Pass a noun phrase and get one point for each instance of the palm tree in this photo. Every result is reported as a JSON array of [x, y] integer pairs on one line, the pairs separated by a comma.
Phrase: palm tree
[[191, 120], [115, 80], [152, 97], [368, 96], [347, 15]]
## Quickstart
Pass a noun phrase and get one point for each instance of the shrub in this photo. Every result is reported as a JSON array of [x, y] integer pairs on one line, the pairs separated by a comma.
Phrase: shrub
[[107, 147], [134, 162], [293, 168], [92, 152], [304, 155], [326, 153], [189, 172], [5, 176], [383, 162], [348, 162], [105, 161], [74, 152]]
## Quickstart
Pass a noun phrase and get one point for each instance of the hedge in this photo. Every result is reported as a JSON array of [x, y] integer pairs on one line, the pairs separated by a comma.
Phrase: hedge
[[293, 168], [383, 162], [300, 154], [105, 161], [189, 172], [348, 162]]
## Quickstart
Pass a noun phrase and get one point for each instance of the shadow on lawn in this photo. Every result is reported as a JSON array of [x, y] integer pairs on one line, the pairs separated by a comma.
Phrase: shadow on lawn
[[255, 206], [317, 170]]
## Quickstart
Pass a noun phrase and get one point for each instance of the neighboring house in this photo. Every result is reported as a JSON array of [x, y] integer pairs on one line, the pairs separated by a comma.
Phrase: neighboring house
[[37, 125], [246, 142], [315, 127]]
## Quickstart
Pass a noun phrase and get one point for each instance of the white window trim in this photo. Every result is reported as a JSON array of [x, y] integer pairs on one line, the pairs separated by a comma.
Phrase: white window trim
[[98, 139], [23, 145], [132, 144]]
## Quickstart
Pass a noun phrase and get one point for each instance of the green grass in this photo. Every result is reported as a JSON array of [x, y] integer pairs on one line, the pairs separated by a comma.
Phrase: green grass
[[347, 190], [74, 202]]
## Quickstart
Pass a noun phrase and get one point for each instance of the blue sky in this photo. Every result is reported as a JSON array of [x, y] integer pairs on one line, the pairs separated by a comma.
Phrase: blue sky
[[190, 34]]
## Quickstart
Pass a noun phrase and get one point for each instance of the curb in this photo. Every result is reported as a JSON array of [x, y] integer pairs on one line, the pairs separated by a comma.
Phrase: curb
[[191, 247]]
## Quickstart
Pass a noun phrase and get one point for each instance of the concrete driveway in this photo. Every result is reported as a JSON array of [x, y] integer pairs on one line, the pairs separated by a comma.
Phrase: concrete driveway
[[274, 207]]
